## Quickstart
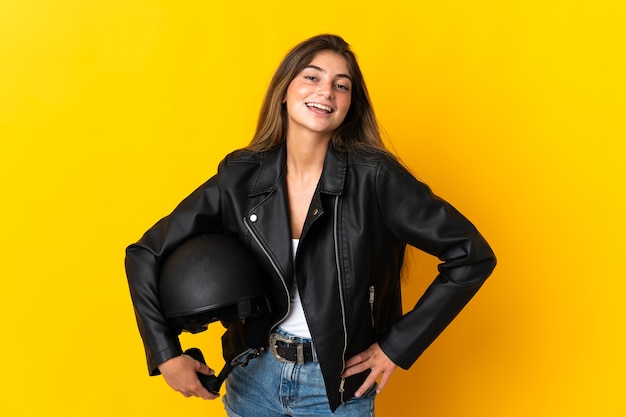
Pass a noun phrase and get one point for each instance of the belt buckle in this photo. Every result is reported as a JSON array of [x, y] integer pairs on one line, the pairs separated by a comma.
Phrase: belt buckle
[[275, 337]]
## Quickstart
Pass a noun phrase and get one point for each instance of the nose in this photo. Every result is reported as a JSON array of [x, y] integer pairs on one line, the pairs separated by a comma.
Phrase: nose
[[325, 89]]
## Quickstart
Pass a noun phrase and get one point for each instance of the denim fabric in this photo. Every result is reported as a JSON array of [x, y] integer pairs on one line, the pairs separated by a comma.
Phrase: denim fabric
[[269, 388]]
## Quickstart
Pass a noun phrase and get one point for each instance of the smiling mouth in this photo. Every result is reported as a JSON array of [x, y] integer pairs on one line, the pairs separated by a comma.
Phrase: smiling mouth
[[320, 106]]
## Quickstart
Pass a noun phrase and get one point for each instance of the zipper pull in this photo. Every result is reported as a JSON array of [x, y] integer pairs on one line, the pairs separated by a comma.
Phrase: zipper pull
[[341, 388], [372, 290]]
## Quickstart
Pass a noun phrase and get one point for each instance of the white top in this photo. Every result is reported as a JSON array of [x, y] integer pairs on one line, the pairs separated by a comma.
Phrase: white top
[[295, 323]]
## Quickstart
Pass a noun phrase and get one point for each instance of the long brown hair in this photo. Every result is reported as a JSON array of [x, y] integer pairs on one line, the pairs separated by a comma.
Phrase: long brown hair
[[360, 127]]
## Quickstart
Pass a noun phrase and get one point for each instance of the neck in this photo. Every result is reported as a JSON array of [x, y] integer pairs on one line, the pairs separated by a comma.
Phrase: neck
[[305, 156]]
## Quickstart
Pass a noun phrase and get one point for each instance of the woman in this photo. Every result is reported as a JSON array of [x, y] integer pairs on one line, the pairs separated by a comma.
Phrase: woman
[[327, 211]]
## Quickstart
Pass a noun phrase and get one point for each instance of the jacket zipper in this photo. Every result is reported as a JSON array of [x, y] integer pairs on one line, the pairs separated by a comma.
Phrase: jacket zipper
[[343, 307], [372, 295], [280, 275], [339, 281]]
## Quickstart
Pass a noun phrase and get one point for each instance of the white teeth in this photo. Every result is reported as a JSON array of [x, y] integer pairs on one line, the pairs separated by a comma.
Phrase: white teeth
[[319, 106]]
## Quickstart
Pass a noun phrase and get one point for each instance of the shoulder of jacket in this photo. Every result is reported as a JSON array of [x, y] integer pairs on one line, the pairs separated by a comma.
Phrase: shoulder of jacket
[[374, 159], [244, 155], [241, 158]]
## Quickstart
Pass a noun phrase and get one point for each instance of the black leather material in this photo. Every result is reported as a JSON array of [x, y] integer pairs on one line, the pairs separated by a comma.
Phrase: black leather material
[[366, 208]]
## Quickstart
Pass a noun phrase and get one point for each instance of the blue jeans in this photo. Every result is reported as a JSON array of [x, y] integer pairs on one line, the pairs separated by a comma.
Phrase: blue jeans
[[269, 388]]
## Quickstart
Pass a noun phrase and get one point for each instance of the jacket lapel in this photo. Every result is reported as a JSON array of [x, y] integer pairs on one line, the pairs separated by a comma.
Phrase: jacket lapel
[[268, 216], [331, 183]]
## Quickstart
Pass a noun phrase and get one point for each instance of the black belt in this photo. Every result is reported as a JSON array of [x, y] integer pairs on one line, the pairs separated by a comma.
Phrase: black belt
[[286, 350]]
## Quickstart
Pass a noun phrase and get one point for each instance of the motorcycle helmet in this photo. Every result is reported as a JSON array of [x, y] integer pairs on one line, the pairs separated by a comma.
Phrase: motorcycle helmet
[[209, 278]]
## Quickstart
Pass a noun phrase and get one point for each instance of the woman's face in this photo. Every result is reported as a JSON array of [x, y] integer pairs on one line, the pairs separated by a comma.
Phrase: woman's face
[[318, 98]]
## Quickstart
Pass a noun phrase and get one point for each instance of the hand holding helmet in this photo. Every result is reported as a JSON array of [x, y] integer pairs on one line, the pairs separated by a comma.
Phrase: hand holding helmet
[[182, 374], [206, 279]]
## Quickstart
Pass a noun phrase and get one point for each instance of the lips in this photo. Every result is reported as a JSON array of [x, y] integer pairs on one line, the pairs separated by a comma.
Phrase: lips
[[320, 107]]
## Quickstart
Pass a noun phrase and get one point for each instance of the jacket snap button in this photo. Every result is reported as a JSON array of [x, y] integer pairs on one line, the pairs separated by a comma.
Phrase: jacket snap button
[[315, 212], [253, 218]]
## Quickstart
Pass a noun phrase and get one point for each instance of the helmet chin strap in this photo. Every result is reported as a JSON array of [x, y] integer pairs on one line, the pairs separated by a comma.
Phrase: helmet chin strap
[[211, 382]]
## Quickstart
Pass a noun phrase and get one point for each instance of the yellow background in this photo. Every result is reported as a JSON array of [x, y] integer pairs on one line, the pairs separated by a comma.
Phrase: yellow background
[[111, 112]]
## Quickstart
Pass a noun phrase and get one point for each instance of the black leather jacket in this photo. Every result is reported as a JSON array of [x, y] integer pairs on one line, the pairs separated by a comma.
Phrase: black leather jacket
[[347, 266]]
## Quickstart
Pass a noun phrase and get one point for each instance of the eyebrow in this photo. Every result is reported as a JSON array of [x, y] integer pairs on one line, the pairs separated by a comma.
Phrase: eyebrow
[[315, 67]]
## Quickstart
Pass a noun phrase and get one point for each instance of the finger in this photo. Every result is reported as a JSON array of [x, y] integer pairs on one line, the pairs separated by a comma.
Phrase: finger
[[195, 388], [198, 390], [386, 376], [383, 380], [204, 369], [205, 394], [356, 359], [355, 369], [369, 381], [358, 363]]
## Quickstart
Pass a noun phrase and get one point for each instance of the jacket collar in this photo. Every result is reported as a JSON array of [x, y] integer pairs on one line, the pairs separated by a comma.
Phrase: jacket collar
[[273, 168]]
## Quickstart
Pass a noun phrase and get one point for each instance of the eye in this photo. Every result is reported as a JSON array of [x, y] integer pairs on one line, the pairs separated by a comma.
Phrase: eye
[[310, 77], [343, 87]]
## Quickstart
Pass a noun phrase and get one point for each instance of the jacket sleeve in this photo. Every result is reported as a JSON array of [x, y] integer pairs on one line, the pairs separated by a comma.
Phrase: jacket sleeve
[[197, 214], [428, 223]]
